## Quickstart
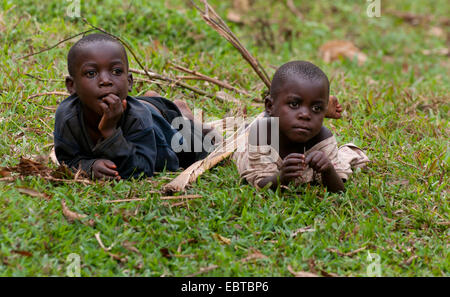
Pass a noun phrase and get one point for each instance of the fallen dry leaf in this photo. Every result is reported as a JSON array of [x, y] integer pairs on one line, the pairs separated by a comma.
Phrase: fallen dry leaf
[[302, 230], [73, 216], [33, 193], [131, 246], [254, 255], [22, 253], [118, 258], [436, 52], [222, 239], [165, 253], [335, 49], [301, 273], [203, 270], [349, 254], [4, 172], [436, 31]]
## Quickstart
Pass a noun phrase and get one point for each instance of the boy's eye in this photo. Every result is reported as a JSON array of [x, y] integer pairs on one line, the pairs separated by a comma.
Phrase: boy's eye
[[117, 71], [293, 104], [317, 108], [90, 73]]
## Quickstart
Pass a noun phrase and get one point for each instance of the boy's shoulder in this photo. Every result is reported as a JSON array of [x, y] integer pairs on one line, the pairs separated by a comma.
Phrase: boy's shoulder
[[68, 108]]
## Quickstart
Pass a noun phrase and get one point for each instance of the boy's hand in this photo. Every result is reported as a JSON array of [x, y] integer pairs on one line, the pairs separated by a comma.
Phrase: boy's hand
[[105, 169], [292, 167], [113, 109], [319, 162]]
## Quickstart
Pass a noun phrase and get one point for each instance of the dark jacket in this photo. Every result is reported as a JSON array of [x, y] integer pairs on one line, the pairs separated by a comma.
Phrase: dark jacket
[[140, 145]]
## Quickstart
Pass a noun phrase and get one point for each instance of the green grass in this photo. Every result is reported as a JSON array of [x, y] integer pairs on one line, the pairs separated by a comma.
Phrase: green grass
[[396, 110]]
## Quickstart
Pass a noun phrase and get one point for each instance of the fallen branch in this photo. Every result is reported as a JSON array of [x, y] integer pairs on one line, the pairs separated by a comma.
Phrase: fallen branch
[[153, 75], [181, 197], [52, 47], [222, 152], [125, 200], [198, 75], [349, 254], [290, 4], [217, 23], [56, 93]]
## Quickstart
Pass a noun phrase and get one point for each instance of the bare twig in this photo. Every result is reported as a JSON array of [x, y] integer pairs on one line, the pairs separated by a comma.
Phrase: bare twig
[[207, 78], [49, 48], [153, 75], [56, 93], [125, 200], [290, 4], [217, 23], [181, 197]]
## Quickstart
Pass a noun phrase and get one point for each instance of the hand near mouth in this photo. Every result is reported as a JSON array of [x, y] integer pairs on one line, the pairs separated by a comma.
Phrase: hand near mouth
[[113, 109]]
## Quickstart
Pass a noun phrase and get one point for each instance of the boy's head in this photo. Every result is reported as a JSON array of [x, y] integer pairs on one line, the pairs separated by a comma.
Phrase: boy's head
[[299, 98], [98, 66]]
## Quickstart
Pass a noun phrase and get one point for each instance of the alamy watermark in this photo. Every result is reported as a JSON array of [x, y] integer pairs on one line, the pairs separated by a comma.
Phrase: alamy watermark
[[374, 8], [74, 265], [74, 8], [374, 268]]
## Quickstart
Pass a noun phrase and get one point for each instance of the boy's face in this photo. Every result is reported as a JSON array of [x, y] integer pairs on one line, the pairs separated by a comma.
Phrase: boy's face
[[300, 106], [100, 69]]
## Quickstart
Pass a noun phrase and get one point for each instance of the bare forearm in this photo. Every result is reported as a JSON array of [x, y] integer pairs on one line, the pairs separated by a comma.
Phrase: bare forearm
[[332, 181]]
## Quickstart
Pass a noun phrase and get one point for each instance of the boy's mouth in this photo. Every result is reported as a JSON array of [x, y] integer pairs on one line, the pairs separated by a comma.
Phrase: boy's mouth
[[301, 129]]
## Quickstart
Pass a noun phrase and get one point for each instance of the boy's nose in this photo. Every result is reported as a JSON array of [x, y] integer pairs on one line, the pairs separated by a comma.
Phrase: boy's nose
[[104, 79], [303, 114]]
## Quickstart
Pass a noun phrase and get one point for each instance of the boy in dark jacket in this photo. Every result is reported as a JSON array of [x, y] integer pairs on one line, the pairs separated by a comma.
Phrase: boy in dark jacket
[[105, 132]]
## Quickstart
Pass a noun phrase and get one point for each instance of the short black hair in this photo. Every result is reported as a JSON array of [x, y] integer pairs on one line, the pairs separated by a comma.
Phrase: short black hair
[[302, 69], [91, 38]]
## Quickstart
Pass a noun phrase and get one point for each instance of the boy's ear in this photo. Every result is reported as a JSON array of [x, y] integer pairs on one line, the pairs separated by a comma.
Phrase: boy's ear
[[268, 102], [130, 82], [70, 85]]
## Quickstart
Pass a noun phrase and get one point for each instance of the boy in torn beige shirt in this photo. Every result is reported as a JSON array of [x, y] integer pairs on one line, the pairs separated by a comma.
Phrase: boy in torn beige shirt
[[290, 144]]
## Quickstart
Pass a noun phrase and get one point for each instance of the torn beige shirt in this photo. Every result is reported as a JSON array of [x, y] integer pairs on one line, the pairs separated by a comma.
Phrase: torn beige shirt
[[255, 163]]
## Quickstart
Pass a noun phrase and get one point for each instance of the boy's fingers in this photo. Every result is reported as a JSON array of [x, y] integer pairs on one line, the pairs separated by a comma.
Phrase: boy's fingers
[[292, 169], [106, 171], [295, 156], [110, 164]]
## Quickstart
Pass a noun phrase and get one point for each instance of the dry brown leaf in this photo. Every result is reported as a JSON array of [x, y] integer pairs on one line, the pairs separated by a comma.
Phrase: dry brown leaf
[[234, 16], [436, 31], [222, 239], [437, 52], [73, 216], [53, 158], [33, 193], [118, 258], [2, 23], [410, 260], [302, 230], [22, 253], [254, 255], [4, 172], [165, 253], [131, 246], [301, 273], [335, 49], [203, 270]]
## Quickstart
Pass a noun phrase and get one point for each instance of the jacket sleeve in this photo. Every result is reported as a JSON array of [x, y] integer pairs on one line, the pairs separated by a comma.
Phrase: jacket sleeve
[[69, 154], [132, 155]]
